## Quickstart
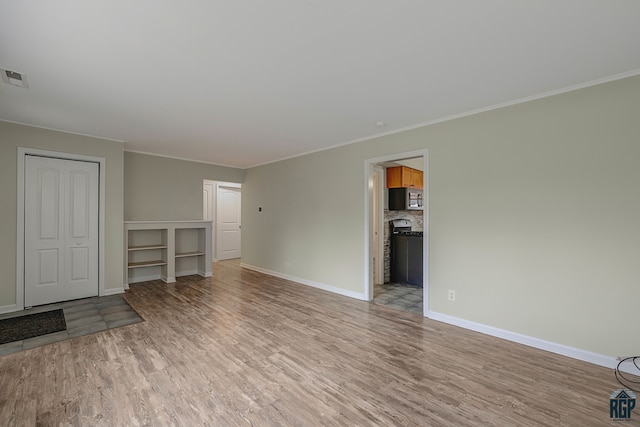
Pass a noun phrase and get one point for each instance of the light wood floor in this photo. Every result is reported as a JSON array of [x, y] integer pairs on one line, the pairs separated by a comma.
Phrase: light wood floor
[[243, 348]]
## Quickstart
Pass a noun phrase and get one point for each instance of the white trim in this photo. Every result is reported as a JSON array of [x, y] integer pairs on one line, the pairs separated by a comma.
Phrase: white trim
[[547, 94], [22, 153], [146, 153], [190, 273], [188, 221], [379, 191], [566, 89], [306, 282], [561, 349], [63, 131], [368, 218], [113, 291], [215, 185], [426, 228], [228, 184], [8, 308], [148, 278]]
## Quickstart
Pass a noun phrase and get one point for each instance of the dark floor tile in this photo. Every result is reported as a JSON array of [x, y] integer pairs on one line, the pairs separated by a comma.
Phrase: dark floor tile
[[88, 329], [396, 305], [405, 299], [44, 339], [120, 315], [73, 315], [121, 307], [83, 317], [399, 297], [383, 298], [10, 347], [112, 302], [79, 307], [413, 297], [69, 304], [81, 321]]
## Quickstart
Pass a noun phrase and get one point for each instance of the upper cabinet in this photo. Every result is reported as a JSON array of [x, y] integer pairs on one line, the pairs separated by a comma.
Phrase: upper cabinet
[[404, 177]]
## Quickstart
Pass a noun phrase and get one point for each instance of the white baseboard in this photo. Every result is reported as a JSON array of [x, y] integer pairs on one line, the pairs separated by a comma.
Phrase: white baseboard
[[148, 278], [187, 273], [112, 291], [201, 273], [575, 353], [561, 349], [8, 308], [339, 291]]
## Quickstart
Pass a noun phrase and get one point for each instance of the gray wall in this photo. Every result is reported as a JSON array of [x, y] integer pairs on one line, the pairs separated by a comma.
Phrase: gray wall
[[534, 216], [13, 136], [165, 189]]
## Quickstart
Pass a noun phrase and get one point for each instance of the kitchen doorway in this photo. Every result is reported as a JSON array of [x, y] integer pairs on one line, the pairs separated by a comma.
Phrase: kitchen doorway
[[402, 255]]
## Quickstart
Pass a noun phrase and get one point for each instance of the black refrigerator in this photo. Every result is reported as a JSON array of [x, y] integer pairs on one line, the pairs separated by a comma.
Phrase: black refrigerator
[[406, 259]]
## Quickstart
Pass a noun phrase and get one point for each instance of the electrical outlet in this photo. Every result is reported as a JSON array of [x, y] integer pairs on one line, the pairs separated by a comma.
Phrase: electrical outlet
[[452, 295]]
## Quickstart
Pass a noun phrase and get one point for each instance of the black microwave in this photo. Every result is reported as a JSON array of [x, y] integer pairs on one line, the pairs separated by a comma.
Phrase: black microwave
[[401, 199]]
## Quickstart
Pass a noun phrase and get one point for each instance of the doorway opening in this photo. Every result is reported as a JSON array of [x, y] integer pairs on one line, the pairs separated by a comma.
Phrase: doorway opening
[[222, 205], [396, 232]]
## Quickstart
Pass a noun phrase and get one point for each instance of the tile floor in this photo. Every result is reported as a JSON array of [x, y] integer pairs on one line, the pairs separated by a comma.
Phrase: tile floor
[[83, 317], [401, 297]]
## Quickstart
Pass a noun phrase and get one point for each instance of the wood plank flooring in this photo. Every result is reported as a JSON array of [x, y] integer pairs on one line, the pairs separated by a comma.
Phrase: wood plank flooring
[[246, 349]]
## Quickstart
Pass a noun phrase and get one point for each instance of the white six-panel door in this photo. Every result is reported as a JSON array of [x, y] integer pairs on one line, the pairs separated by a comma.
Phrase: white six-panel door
[[61, 230], [228, 227]]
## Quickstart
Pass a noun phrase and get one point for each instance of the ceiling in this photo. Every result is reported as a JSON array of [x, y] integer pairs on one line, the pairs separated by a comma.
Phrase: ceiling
[[248, 82]]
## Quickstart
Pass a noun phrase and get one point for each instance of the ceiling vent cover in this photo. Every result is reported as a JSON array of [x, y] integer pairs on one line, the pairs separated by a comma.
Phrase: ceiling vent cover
[[14, 78]]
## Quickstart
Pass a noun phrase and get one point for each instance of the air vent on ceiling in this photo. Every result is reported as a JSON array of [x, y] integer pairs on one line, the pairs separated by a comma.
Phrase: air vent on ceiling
[[14, 78]]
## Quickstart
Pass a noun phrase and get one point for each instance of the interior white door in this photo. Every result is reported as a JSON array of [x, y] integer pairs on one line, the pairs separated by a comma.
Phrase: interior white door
[[61, 230], [228, 226]]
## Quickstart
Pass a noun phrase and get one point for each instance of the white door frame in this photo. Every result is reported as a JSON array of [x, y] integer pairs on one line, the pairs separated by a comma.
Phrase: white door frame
[[368, 222], [212, 215], [214, 210], [22, 152], [378, 226]]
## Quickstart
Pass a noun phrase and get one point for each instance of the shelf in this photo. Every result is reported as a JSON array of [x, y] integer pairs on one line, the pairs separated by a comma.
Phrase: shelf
[[168, 249], [146, 264], [186, 254], [145, 247]]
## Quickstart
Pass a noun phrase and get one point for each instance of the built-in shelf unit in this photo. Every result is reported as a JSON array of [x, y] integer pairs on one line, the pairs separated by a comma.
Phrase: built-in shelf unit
[[166, 250]]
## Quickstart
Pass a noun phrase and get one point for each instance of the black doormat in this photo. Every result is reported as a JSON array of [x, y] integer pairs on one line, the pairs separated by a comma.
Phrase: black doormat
[[31, 325]]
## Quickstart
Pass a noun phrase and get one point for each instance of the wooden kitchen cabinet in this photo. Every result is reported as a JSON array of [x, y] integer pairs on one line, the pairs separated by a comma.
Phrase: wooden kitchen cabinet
[[417, 178], [404, 177]]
